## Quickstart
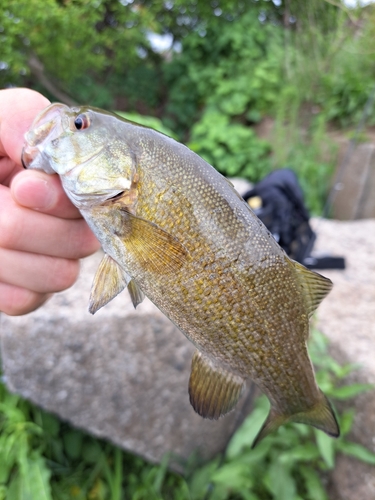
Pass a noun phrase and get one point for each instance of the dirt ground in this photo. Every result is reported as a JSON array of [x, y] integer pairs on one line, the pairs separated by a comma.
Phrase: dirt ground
[[347, 318], [347, 315]]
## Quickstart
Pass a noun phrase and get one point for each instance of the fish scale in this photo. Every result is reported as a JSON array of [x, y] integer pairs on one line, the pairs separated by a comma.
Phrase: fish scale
[[175, 230], [207, 195]]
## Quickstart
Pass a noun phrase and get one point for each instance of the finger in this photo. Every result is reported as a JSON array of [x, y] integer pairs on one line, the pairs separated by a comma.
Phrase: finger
[[16, 301], [18, 108], [8, 169], [43, 192], [39, 273], [30, 231]]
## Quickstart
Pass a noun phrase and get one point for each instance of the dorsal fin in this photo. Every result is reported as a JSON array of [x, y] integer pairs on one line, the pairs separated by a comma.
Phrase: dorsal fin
[[213, 390], [315, 286]]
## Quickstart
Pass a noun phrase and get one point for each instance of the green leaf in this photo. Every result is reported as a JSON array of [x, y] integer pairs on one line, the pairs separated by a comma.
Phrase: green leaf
[[346, 421], [234, 476], [301, 453], [201, 478], [50, 424], [5, 461], [37, 478], [245, 435], [15, 489], [345, 370], [313, 484], [73, 443], [326, 445], [280, 482], [91, 451], [3, 492], [349, 391], [357, 451]]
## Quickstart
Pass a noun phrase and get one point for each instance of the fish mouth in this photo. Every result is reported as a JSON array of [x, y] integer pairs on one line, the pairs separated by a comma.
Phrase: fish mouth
[[46, 126]]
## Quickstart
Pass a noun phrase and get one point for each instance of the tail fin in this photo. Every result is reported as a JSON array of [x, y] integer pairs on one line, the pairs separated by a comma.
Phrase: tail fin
[[320, 416], [273, 422]]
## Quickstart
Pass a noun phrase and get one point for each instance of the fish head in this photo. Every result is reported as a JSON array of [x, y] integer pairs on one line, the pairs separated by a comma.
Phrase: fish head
[[83, 146]]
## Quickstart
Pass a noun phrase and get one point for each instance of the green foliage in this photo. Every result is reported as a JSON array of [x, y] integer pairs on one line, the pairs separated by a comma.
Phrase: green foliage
[[231, 65], [308, 151], [232, 148], [147, 121], [306, 64], [42, 458], [226, 77], [87, 48], [328, 61], [23, 471], [288, 464]]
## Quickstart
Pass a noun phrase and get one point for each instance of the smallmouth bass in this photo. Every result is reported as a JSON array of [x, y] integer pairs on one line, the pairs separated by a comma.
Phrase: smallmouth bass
[[173, 229]]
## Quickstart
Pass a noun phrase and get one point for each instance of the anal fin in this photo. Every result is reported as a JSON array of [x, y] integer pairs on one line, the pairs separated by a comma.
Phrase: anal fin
[[109, 281], [213, 390]]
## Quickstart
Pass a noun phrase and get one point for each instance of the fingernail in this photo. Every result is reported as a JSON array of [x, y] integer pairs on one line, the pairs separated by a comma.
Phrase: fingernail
[[34, 192]]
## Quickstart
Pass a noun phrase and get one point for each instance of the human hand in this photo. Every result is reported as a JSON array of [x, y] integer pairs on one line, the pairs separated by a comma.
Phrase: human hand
[[42, 235]]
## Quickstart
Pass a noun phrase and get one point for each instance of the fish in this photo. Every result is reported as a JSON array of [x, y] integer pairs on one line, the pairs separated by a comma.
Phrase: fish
[[175, 230]]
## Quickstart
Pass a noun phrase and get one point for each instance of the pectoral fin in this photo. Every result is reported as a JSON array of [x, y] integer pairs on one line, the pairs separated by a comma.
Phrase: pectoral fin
[[136, 293], [213, 391], [320, 416], [152, 248], [108, 282], [315, 286]]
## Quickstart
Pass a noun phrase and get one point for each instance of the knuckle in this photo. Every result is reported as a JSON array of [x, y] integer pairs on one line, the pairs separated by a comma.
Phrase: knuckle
[[19, 301], [79, 239], [9, 228], [65, 274], [91, 243]]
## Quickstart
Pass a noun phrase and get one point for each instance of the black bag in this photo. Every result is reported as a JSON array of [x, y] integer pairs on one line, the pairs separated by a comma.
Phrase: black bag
[[278, 202]]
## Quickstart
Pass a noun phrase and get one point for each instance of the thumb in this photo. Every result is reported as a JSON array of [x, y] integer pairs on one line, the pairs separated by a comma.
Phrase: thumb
[[42, 192], [18, 108]]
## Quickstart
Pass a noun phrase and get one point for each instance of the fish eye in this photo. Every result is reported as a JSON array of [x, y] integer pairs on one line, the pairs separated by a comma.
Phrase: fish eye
[[81, 122]]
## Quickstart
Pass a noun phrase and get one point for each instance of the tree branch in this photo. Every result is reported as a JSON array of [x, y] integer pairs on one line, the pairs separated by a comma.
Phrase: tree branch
[[37, 70]]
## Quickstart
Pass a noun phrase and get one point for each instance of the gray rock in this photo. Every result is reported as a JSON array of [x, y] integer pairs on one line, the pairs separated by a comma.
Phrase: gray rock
[[121, 374], [355, 183]]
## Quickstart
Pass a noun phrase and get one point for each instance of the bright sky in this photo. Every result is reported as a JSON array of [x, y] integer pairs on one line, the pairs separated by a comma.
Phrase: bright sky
[[353, 3]]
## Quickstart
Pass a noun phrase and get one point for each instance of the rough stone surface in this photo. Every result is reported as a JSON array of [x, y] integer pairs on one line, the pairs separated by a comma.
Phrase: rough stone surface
[[121, 374], [355, 176], [347, 317]]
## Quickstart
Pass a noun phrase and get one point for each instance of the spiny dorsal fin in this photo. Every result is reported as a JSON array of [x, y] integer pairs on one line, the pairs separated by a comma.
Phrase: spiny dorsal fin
[[136, 293], [151, 247], [320, 415], [213, 391], [315, 286], [109, 281]]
